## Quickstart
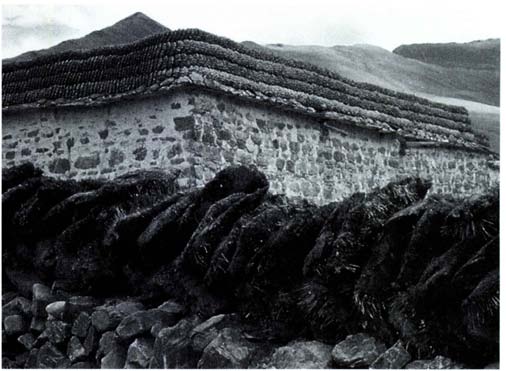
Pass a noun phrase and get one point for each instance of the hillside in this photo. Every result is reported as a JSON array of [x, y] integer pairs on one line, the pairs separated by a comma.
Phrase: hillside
[[376, 65], [135, 27], [477, 55], [475, 89]]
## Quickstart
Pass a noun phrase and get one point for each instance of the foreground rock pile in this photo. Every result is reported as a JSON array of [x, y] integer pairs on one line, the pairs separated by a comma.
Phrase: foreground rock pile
[[133, 273]]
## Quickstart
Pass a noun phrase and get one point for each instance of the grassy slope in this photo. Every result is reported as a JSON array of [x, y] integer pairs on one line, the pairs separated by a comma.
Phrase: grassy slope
[[480, 54], [473, 89]]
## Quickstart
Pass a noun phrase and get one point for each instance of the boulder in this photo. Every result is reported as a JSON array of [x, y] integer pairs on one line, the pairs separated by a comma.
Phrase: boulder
[[14, 325], [230, 349], [57, 332], [90, 342], [80, 304], [208, 330], [106, 343], [102, 321], [394, 358], [83, 365], [31, 361], [357, 351], [37, 325], [27, 340], [8, 296], [172, 307], [57, 309], [172, 348], [50, 357], [75, 350], [41, 298], [18, 305], [439, 362], [114, 359], [300, 354], [139, 353], [108, 316], [141, 322], [81, 325]]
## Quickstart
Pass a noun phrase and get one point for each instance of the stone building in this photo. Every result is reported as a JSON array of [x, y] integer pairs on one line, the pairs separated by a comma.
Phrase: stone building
[[197, 102]]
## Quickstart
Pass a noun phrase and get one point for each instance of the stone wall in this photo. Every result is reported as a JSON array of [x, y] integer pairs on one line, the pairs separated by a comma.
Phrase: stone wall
[[201, 133]]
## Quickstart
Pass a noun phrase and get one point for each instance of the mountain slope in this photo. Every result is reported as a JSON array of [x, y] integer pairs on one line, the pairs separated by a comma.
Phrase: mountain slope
[[379, 66], [480, 54], [132, 28], [477, 90]]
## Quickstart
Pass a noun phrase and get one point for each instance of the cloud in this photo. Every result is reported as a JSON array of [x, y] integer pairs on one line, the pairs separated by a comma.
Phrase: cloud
[[386, 23]]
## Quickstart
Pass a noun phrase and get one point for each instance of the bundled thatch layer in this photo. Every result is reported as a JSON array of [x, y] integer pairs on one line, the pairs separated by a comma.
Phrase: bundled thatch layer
[[195, 58], [392, 262]]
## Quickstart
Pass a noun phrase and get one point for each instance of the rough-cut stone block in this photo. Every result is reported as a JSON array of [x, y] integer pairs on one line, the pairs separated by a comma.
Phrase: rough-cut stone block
[[57, 309], [204, 333], [395, 357], [140, 153], [184, 123], [18, 305], [83, 365], [81, 325], [107, 342], [78, 304], [141, 322], [139, 353], [50, 357], [229, 350], [87, 162], [37, 324], [115, 359], [14, 325], [27, 340], [33, 133], [357, 351], [438, 363], [172, 348], [57, 332], [298, 355], [103, 321], [103, 134], [41, 298], [158, 129], [75, 350], [116, 157]]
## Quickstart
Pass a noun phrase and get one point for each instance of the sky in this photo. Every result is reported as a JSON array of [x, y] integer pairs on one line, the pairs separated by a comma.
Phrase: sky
[[385, 23]]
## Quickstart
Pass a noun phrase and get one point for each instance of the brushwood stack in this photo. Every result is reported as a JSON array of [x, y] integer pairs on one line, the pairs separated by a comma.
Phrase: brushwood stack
[[136, 272]]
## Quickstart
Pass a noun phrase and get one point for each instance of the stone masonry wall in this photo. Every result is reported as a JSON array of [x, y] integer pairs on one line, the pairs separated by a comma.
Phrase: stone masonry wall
[[201, 133]]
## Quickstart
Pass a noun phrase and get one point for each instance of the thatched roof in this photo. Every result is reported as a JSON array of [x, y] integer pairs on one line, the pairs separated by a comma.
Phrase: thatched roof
[[193, 58]]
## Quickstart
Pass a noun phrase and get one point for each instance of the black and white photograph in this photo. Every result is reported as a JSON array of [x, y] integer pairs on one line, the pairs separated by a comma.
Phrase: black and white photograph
[[251, 184]]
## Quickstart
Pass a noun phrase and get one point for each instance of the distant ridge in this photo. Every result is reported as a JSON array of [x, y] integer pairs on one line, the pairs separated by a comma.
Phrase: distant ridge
[[480, 54], [132, 28], [375, 65]]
